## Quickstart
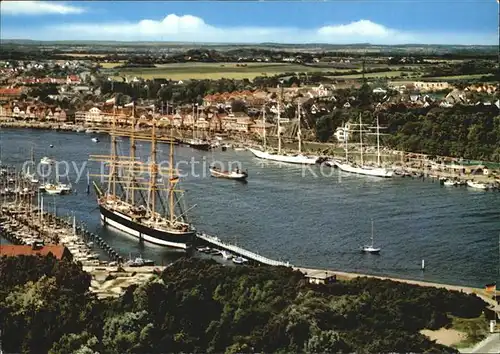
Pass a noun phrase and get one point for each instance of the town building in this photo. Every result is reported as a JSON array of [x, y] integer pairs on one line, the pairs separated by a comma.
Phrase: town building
[[58, 251], [320, 277]]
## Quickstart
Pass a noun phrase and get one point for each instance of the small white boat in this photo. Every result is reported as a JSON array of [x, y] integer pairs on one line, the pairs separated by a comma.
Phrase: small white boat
[[95, 140], [477, 185], [450, 183], [51, 189], [46, 161], [239, 260], [89, 131], [226, 255], [235, 175], [239, 149], [371, 248]]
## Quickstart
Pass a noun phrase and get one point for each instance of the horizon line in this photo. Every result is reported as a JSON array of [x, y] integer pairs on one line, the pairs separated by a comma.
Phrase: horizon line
[[244, 44]]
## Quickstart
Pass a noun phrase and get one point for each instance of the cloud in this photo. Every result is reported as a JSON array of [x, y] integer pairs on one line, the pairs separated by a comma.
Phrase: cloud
[[188, 28], [38, 8]]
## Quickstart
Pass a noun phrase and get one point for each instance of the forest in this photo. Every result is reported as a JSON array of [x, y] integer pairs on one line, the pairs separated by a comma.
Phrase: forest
[[201, 306]]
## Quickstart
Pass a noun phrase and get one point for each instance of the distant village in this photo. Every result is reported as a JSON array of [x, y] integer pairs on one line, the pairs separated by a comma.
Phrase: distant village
[[75, 83]]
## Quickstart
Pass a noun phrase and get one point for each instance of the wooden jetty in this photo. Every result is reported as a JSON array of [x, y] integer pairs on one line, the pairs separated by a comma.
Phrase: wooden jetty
[[219, 244]]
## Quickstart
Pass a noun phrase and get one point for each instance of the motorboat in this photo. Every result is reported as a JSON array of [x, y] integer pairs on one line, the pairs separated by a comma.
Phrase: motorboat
[[52, 189], [139, 262], [235, 175], [95, 140], [46, 161], [477, 185], [199, 144], [450, 183], [203, 249], [239, 260], [226, 255]]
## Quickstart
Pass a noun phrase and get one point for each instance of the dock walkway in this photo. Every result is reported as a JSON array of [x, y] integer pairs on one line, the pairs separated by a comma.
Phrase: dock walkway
[[218, 243]]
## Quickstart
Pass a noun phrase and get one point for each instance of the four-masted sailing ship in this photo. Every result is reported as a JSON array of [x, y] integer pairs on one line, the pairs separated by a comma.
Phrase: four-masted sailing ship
[[135, 204]]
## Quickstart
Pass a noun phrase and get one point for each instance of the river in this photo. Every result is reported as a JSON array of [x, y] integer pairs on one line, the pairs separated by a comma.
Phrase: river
[[288, 213]]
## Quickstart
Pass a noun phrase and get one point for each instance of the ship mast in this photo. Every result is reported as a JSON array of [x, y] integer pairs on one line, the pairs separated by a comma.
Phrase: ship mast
[[264, 124], [299, 132], [346, 131], [279, 121], [378, 143], [153, 172], [171, 178], [112, 169], [361, 139], [131, 191]]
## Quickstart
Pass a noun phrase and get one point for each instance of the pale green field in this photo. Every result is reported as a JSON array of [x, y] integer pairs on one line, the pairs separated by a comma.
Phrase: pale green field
[[384, 74], [214, 71], [458, 77], [111, 65]]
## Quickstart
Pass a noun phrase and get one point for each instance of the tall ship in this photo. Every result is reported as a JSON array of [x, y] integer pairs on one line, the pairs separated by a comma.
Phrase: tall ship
[[362, 168], [143, 204], [280, 156], [195, 142]]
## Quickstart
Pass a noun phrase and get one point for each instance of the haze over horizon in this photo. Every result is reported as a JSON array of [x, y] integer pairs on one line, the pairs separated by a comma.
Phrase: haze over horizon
[[459, 22]]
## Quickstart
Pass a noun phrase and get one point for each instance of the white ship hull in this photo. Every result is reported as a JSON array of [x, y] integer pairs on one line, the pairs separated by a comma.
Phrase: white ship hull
[[182, 240], [368, 171], [298, 159]]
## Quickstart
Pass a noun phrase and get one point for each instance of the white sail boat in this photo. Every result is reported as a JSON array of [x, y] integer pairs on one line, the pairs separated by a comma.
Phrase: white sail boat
[[279, 156], [363, 169], [371, 248]]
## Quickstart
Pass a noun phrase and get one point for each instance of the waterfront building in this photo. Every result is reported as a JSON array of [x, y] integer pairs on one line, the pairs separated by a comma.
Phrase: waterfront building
[[59, 251]]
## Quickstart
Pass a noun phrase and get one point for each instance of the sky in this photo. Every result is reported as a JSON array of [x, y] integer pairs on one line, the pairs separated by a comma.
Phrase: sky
[[337, 22]]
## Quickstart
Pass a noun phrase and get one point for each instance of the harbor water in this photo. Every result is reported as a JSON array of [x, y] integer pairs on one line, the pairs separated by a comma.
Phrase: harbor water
[[290, 213]]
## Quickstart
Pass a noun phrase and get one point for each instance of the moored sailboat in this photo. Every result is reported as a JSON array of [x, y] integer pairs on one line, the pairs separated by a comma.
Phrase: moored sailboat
[[371, 248], [279, 156], [362, 168]]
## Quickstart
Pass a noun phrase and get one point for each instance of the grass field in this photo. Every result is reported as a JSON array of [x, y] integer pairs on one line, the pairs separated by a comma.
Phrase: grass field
[[383, 74], [459, 77], [214, 71], [111, 65], [78, 55], [475, 328]]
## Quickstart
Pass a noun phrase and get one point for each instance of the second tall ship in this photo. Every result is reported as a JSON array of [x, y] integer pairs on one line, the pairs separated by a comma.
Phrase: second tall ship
[[279, 156], [134, 203], [362, 168]]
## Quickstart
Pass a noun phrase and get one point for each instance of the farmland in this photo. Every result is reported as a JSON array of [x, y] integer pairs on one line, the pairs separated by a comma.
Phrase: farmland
[[214, 71]]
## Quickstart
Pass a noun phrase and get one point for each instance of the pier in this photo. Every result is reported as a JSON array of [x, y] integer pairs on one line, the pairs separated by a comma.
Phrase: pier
[[219, 244]]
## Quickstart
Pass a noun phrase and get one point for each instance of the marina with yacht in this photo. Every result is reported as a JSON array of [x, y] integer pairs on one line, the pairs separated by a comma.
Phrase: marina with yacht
[[277, 176]]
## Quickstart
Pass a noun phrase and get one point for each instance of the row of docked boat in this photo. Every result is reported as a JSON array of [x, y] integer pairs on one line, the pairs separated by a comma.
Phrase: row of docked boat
[[225, 254], [449, 182]]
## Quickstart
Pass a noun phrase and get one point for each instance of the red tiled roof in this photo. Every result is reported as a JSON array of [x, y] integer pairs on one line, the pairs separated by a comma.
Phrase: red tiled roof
[[10, 91], [26, 250]]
